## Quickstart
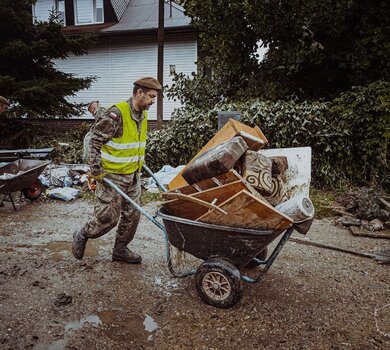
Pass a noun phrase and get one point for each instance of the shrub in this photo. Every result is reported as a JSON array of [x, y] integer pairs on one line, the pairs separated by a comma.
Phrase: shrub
[[349, 136]]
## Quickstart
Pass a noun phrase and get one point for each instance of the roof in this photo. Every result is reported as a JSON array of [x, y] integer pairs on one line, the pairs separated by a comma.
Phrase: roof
[[143, 15]]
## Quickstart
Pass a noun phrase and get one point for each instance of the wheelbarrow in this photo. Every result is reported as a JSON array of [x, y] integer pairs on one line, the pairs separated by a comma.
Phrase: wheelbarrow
[[22, 175], [224, 251]]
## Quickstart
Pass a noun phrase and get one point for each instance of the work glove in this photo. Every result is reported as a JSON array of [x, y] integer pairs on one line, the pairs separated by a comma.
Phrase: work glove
[[92, 179]]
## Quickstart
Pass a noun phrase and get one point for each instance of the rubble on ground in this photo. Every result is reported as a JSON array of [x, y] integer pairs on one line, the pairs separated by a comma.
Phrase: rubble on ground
[[365, 212]]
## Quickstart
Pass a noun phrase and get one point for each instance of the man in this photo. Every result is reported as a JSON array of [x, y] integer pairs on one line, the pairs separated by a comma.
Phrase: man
[[4, 103], [116, 151], [96, 110], [93, 106]]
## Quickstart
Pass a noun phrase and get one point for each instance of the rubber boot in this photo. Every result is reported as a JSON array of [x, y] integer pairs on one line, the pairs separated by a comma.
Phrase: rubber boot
[[79, 243], [122, 253]]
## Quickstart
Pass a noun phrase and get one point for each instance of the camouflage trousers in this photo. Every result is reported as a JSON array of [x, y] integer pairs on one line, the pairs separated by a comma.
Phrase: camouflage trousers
[[112, 207]]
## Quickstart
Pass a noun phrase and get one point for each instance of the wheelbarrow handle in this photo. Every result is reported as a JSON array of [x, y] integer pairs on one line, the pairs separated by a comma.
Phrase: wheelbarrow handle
[[116, 188], [154, 178]]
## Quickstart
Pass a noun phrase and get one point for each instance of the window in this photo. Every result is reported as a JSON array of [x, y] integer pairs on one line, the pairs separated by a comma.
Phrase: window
[[88, 11], [43, 8], [59, 10]]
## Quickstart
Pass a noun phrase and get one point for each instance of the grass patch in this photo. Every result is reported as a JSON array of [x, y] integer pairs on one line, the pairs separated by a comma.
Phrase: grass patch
[[323, 202], [87, 195], [147, 197]]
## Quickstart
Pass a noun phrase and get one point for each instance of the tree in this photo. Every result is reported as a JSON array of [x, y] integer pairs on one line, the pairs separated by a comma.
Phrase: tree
[[28, 76], [316, 49]]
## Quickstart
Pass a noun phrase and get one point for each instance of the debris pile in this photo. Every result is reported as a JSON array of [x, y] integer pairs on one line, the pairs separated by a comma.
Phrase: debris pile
[[365, 212], [234, 181]]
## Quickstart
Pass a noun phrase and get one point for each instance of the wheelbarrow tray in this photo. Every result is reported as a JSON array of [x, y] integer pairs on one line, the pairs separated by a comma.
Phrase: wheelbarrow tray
[[204, 240], [26, 172]]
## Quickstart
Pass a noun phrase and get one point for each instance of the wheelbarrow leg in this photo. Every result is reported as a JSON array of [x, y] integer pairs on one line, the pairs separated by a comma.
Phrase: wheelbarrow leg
[[8, 195], [268, 263]]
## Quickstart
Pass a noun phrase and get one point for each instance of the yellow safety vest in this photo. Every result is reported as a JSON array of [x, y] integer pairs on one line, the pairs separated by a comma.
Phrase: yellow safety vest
[[126, 154]]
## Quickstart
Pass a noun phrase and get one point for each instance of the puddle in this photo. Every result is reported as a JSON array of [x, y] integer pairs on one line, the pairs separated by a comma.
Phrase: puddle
[[75, 325], [117, 327], [113, 324], [60, 249]]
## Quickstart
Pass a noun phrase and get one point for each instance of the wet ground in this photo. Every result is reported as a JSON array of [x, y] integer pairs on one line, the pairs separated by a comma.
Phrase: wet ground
[[311, 298]]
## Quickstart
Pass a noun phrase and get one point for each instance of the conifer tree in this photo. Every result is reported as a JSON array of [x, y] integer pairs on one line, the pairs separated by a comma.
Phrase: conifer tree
[[28, 76]]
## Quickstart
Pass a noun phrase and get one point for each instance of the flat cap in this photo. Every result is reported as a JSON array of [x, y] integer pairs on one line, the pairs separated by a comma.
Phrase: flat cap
[[3, 100], [149, 82]]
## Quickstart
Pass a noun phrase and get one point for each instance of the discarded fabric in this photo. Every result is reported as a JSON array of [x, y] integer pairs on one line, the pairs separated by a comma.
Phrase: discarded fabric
[[63, 193]]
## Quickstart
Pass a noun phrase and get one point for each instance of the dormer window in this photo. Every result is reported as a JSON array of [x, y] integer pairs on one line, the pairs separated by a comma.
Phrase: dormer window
[[42, 10], [88, 11], [60, 10]]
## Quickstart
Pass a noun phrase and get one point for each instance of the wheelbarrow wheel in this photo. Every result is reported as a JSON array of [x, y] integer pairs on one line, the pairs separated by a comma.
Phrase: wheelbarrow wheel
[[218, 283], [261, 256], [34, 191]]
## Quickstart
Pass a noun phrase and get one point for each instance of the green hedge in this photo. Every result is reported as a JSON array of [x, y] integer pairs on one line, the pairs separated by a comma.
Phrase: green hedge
[[349, 136]]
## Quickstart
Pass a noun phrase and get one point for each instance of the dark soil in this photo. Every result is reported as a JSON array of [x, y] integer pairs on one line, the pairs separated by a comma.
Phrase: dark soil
[[311, 298]]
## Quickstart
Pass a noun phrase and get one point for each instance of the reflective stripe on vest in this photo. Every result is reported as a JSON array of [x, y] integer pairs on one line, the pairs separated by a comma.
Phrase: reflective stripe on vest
[[126, 154]]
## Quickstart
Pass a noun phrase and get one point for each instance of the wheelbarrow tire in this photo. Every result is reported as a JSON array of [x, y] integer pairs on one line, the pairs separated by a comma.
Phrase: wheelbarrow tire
[[34, 191], [218, 283], [261, 256]]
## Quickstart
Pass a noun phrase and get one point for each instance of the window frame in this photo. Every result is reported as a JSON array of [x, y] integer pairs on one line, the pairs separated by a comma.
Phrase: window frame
[[93, 13]]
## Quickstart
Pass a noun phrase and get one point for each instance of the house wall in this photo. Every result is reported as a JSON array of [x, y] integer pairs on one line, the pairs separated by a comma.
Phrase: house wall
[[117, 63]]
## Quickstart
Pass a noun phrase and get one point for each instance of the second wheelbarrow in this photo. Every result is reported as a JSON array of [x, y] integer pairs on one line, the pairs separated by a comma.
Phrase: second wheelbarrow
[[22, 175]]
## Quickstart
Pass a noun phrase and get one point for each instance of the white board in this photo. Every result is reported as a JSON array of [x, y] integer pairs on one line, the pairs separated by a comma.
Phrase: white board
[[298, 174]]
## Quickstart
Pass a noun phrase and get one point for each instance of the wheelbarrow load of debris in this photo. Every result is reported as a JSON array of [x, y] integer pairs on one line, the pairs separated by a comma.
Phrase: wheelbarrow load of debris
[[228, 205], [21, 175], [231, 201]]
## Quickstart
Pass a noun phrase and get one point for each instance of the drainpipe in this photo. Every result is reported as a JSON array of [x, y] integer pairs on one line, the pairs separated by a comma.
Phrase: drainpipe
[[160, 62]]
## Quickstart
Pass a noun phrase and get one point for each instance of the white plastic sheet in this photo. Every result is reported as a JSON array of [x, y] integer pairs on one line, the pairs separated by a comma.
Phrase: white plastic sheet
[[63, 193], [165, 175]]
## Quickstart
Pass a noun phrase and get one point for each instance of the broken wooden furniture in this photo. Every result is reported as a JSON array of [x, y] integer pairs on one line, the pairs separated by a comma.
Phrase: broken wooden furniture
[[257, 170], [226, 200], [253, 137], [215, 161]]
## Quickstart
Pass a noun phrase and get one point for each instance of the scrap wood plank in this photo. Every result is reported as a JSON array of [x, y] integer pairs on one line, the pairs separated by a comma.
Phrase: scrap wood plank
[[185, 206], [248, 211], [189, 207], [215, 181], [358, 231], [230, 129]]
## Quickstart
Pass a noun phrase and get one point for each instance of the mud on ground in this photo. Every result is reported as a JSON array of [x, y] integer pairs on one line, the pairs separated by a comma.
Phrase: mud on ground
[[310, 298]]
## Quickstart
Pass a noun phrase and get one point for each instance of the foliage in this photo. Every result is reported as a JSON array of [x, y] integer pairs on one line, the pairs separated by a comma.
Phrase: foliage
[[198, 92], [68, 147], [315, 49], [28, 76], [187, 132], [349, 136], [365, 114]]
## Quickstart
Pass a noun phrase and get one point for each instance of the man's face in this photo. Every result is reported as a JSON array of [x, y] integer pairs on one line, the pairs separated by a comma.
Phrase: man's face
[[3, 107], [145, 99], [93, 107]]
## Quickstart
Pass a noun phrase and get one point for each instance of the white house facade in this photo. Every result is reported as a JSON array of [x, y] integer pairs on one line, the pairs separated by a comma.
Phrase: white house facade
[[127, 46]]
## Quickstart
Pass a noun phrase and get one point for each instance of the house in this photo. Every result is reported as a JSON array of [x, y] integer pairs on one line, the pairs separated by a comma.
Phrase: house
[[127, 46]]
